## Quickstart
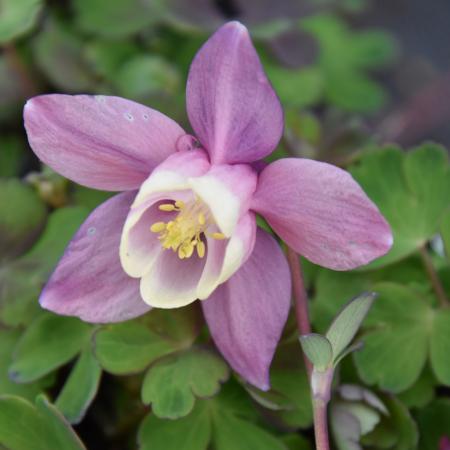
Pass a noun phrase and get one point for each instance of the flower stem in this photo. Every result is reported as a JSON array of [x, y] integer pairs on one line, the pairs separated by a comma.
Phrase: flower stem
[[301, 300], [433, 276], [320, 425], [321, 393]]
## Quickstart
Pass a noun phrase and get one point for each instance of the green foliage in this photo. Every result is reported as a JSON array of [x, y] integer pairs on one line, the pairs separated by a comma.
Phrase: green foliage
[[80, 388], [59, 54], [225, 421], [8, 339], [318, 349], [347, 322], [345, 58], [192, 432], [24, 426], [18, 225], [17, 17], [296, 88], [116, 18], [405, 331], [129, 347], [412, 190], [433, 424], [378, 421], [172, 383], [49, 342], [21, 280], [11, 154]]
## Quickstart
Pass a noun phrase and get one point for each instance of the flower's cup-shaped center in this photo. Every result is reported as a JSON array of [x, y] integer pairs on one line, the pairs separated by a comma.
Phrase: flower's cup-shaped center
[[186, 232]]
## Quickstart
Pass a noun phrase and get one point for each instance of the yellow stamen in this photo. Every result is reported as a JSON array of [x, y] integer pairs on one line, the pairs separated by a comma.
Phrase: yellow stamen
[[201, 249], [218, 236], [167, 207], [183, 234], [157, 227]]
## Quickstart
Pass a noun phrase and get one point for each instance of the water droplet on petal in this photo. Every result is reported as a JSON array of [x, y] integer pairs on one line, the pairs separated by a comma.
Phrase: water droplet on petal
[[91, 231], [129, 116], [145, 116], [186, 143]]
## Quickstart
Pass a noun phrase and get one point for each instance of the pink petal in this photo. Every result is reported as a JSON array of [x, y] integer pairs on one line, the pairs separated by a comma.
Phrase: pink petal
[[89, 281], [231, 104], [102, 142], [322, 213], [246, 315]]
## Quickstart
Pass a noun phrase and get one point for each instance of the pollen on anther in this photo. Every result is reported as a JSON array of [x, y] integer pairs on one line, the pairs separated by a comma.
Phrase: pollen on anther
[[218, 236], [201, 219], [157, 227], [179, 204], [167, 207], [200, 249]]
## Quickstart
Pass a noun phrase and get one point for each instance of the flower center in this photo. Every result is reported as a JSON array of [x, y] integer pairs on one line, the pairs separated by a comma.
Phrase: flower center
[[186, 232]]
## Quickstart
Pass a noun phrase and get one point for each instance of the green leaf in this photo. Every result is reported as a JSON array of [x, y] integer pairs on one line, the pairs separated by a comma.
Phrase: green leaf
[[440, 346], [290, 393], [80, 388], [129, 347], [11, 92], [172, 383], [396, 430], [89, 198], [11, 155], [18, 224], [226, 420], [318, 350], [8, 339], [296, 88], [347, 322], [61, 227], [232, 432], [17, 17], [48, 343], [24, 426], [445, 233], [345, 58], [106, 56], [59, 54], [434, 423], [22, 280], [421, 393], [145, 75], [116, 18], [395, 350], [192, 432], [296, 442], [333, 289], [293, 386], [412, 191]]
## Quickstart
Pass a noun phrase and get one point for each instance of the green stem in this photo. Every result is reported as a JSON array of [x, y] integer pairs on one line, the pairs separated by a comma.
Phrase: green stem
[[433, 276]]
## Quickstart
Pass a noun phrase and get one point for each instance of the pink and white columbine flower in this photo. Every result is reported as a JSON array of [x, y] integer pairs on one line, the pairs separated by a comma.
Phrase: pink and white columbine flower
[[185, 229]]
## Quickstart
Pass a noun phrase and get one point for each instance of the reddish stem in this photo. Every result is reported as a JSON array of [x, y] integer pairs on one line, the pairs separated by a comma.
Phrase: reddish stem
[[301, 300]]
